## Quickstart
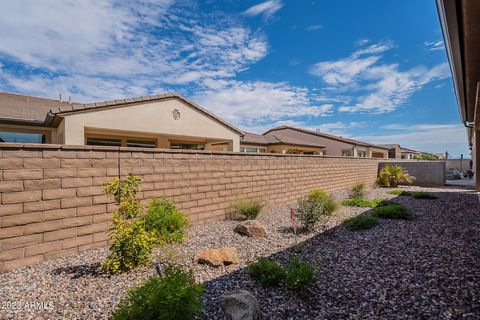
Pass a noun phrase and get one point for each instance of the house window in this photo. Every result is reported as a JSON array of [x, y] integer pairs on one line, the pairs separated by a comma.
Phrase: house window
[[141, 143], [22, 137], [190, 146], [346, 152], [253, 150], [361, 153], [104, 142]]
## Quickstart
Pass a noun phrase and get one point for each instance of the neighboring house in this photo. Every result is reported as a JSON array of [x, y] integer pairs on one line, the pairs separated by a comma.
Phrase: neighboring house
[[257, 143], [161, 121], [395, 151], [302, 140]]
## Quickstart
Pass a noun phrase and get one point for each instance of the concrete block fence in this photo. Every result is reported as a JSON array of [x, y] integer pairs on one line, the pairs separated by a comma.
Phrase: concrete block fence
[[53, 203]]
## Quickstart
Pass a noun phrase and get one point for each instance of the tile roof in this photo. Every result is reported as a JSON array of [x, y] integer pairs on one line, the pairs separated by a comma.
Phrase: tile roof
[[278, 132], [17, 107], [269, 139]]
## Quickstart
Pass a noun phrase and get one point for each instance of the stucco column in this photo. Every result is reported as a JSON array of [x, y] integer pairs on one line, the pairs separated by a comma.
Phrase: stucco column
[[476, 158]]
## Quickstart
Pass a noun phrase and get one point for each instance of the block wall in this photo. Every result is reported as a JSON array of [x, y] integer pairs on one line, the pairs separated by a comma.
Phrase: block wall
[[53, 204]]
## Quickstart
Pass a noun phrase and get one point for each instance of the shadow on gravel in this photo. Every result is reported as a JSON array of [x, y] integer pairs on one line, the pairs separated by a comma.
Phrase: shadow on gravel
[[81, 270], [425, 268]]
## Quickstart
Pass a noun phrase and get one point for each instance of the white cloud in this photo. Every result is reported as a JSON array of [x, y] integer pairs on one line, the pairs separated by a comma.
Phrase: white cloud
[[118, 43], [381, 87], [313, 27], [361, 42], [435, 45], [250, 104], [267, 9], [424, 137]]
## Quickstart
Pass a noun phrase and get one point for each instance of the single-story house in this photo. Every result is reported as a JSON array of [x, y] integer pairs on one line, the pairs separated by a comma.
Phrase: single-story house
[[258, 143], [292, 139], [460, 21], [395, 151], [159, 121]]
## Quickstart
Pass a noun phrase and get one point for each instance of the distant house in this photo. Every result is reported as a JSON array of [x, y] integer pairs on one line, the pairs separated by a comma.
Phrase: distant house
[[272, 143], [395, 151], [159, 121], [296, 140]]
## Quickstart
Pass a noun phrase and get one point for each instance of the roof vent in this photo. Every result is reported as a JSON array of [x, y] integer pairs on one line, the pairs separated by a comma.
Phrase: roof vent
[[70, 99], [60, 96]]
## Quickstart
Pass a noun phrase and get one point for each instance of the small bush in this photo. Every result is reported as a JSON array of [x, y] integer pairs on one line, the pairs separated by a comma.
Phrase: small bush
[[392, 212], [249, 208], [358, 191], [391, 176], [165, 222], [131, 246], [400, 192], [364, 203], [310, 213], [423, 195], [321, 196], [267, 272], [361, 223], [175, 295], [358, 202], [300, 276]]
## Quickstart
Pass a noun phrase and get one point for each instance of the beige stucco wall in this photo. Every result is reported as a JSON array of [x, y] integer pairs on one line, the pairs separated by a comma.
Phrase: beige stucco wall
[[151, 118]]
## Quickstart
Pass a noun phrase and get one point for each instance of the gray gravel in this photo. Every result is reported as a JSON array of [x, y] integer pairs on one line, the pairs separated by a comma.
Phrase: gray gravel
[[427, 268]]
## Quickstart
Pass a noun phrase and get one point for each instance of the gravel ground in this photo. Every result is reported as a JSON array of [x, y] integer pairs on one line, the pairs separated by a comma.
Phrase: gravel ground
[[427, 268]]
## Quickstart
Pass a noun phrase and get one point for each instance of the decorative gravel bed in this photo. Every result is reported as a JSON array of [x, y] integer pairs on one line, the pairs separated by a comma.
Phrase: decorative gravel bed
[[427, 268]]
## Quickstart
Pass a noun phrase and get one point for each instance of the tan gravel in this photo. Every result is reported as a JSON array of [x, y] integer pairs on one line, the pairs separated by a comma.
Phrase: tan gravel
[[427, 268]]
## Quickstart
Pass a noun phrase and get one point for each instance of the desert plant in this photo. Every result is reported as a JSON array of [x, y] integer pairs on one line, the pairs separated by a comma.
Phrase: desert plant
[[310, 213], [323, 197], [174, 295], [423, 195], [249, 208], [392, 212], [391, 176], [426, 156], [300, 276], [267, 272], [361, 223], [400, 192], [131, 245], [164, 221], [365, 203], [358, 191]]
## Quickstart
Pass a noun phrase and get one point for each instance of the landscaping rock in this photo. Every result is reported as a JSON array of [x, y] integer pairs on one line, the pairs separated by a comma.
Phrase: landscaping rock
[[240, 305], [218, 257], [251, 228]]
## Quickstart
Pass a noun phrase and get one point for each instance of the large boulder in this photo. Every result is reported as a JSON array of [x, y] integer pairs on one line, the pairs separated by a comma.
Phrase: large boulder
[[240, 305], [251, 228], [217, 257]]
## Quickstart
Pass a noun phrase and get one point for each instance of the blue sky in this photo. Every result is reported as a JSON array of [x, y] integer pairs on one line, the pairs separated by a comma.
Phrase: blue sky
[[370, 70]]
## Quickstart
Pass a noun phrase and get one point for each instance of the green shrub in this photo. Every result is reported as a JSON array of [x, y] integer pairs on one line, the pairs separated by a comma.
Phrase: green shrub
[[361, 223], [131, 245], [310, 213], [321, 196], [358, 191], [392, 212], [175, 295], [249, 208], [364, 203], [164, 221], [267, 272], [357, 202], [400, 192], [300, 276], [423, 195], [391, 176]]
